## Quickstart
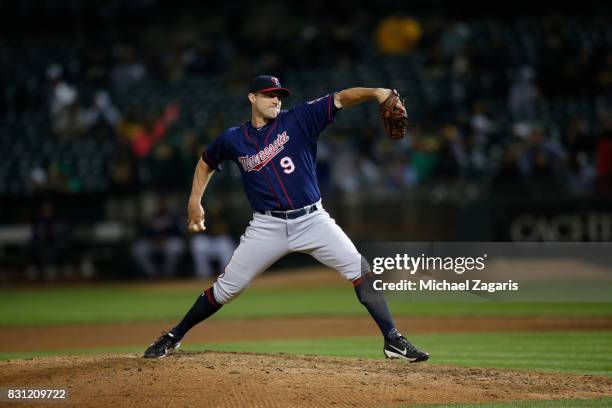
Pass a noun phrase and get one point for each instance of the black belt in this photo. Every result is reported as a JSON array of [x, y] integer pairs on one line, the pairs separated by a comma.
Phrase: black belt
[[291, 215]]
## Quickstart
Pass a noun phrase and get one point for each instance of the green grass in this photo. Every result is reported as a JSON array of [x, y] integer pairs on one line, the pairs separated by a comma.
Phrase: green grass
[[544, 351], [113, 303], [89, 305], [549, 351]]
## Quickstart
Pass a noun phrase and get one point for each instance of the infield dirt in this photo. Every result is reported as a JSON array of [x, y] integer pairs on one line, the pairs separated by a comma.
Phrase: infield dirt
[[213, 379]]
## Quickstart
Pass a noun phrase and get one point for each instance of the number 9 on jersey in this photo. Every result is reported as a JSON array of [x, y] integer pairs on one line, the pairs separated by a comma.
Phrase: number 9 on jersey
[[287, 164]]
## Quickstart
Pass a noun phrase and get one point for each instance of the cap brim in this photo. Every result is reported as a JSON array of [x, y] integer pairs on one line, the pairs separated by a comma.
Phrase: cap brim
[[284, 91]]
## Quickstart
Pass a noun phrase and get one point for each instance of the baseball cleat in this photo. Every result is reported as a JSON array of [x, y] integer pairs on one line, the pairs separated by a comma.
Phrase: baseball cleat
[[397, 346], [164, 345]]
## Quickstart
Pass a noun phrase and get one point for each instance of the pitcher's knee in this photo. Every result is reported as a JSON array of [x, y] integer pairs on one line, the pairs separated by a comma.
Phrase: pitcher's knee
[[225, 292], [356, 267]]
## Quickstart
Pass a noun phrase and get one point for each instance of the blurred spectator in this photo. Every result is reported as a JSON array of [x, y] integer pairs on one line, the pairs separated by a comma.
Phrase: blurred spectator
[[99, 84], [324, 171], [604, 154], [451, 153], [453, 39], [73, 120], [580, 174], [460, 80], [68, 117], [61, 94], [402, 174], [128, 69], [214, 246], [476, 164], [424, 159], [164, 168], [604, 76], [145, 135], [104, 110], [523, 96], [580, 144], [459, 155], [347, 179], [51, 245], [161, 245], [190, 151], [123, 169], [509, 178], [63, 177], [398, 35], [38, 179], [481, 123], [579, 138], [543, 159]]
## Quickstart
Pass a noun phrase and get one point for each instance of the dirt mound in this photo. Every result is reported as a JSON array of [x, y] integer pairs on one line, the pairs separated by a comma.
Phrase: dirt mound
[[242, 379]]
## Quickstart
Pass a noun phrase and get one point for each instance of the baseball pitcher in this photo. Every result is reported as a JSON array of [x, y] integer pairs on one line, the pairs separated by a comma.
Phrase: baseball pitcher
[[276, 154]]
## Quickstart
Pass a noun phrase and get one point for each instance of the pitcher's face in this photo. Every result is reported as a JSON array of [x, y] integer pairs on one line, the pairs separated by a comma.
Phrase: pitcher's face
[[267, 104]]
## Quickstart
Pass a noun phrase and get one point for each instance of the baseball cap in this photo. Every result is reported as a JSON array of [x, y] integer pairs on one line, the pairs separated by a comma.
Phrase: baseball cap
[[268, 83]]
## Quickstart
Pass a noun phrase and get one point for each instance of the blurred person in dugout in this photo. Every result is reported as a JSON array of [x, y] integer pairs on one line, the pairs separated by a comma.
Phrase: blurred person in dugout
[[212, 250], [51, 251], [161, 245]]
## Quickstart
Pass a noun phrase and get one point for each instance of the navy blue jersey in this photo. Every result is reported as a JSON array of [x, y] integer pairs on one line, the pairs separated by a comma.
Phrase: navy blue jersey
[[278, 162]]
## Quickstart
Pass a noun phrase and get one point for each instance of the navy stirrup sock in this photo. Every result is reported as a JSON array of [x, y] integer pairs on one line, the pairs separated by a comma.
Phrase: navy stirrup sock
[[204, 307], [375, 303]]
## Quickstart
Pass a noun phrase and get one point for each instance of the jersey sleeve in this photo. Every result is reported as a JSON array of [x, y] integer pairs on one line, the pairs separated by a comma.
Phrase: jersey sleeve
[[315, 115], [216, 152]]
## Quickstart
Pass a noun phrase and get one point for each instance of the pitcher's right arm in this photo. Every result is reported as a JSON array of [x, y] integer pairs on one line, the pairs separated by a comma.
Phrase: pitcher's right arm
[[195, 211]]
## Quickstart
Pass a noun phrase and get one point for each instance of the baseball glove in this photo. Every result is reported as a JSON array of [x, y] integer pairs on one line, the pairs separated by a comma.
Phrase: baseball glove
[[393, 115]]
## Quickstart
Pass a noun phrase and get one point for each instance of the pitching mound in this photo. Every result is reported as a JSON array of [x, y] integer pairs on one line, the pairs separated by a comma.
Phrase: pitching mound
[[245, 380]]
